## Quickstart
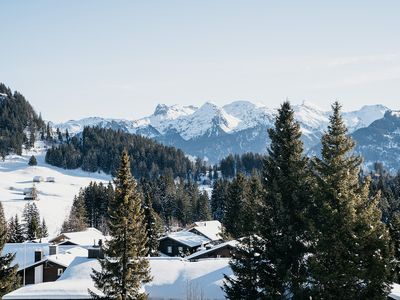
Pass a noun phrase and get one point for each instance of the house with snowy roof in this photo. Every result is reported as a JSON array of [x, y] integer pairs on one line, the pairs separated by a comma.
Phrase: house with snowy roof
[[222, 250], [49, 268], [181, 243], [42, 262], [89, 237], [173, 278], [209, 229]]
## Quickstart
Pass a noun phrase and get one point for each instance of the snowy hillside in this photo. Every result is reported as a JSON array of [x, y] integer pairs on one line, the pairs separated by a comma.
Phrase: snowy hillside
[[55, 198]]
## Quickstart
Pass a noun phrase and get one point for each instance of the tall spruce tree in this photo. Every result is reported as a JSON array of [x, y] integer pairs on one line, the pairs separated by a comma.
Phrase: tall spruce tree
[[284, 228], [244, 260], [124, 268], [9, 279], [31, 218], [153, 226], [352, 256], [233, 222], [218, 199], [203, 208], [15, 231], [276, 268], [77, 219], [43, 229]]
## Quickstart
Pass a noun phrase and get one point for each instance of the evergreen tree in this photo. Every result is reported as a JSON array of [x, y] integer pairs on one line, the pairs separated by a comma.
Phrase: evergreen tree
[[31, 218], [67, 138], [233, 222], [77, 219], [32, 161], [43, 229], [9, 279], [352, 256], [15, 231], [49, 137], [284, 229], [124, 268], [183, 211], [203, 208], [59, 135], [34, 193], [279, 248], [153, 226], [394, 229], [252, 205], [218, 199]]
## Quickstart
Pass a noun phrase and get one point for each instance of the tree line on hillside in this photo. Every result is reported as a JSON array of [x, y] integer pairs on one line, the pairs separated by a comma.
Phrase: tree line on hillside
[[170, 203], [19, 123], [246, 163], [99, 149]]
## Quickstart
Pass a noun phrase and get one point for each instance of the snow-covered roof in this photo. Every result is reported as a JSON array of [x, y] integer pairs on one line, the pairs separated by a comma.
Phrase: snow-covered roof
[[395, 293], [64, 258], [173, 278], [187, 238], [213, 248], [210, 229], [89, 237], [25, 252]]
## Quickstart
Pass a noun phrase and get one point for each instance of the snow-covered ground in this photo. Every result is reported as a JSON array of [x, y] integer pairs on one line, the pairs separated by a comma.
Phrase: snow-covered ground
[[55, 199], [173, 278]]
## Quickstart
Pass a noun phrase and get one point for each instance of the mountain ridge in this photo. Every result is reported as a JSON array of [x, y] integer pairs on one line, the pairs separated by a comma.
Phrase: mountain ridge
[[212, 132]]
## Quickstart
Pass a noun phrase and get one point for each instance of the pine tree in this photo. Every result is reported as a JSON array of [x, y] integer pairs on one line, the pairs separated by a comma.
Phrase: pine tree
[[34, 193], [32, 161], [48, 132], [77, 219], [67, 135], [31, 218], [183, 212], [9, 279], [233, 207], [43, 229], [280, 245], [153, 226], [284, 229], [218, 199], [124, 268], [252, 205], [203, 208], [394, 229], [352, 256], [15, 231]]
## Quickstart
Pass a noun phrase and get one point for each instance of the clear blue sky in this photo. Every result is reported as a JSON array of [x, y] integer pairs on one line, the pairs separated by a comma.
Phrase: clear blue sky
[[73, 59]]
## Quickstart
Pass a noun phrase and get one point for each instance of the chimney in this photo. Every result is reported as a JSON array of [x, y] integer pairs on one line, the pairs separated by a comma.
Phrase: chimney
[[95, 252], [53, 249], [38, 255]]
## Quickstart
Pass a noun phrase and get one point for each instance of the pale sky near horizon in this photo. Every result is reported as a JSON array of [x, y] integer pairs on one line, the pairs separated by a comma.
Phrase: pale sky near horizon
[[119, 59]]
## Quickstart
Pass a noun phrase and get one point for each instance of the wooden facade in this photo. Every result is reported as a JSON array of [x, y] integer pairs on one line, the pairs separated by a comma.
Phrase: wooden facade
[[49, 272], [219, 252], [171, 247]]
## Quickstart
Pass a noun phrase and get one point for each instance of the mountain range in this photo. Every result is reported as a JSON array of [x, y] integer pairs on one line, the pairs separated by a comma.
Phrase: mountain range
[[213, 132]]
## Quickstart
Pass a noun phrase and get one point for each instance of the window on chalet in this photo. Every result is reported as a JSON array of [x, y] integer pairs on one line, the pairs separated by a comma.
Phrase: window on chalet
[[169, 249]]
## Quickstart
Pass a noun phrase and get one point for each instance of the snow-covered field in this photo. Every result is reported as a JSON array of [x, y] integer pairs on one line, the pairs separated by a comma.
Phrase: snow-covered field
[[55, 199]]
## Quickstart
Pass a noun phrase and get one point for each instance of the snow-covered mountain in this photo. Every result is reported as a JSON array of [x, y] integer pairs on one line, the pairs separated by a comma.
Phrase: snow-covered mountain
[[213, 132], [380, 141]]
